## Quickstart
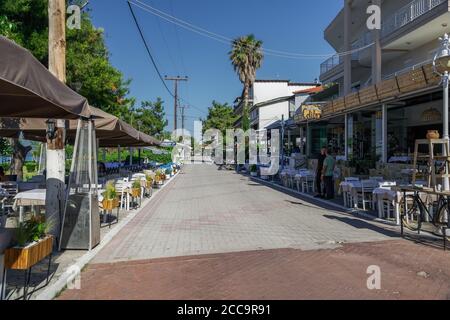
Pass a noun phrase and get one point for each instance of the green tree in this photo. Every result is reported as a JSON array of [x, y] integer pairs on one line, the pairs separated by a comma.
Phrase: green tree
[[5, 147], [89, 70], [152, 117], [220, 117], [246, 57]]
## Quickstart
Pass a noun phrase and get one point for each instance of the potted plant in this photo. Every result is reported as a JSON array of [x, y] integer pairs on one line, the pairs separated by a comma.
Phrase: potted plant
[[136, 189], [150, 181], [253, 170], [33, 244], [160, 177], [110, 200], [169, 172]]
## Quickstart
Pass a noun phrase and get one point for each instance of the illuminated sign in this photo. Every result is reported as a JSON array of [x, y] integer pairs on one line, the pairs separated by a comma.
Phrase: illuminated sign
[[309, 112]]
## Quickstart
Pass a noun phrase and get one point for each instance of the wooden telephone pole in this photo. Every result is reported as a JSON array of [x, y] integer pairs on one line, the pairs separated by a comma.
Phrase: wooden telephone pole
[[176, 80], [183, 109], [55, 195]]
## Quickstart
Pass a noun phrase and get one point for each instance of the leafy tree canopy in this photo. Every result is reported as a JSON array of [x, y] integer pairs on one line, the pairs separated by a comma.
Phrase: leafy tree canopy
[[220, 117], [150, 117]]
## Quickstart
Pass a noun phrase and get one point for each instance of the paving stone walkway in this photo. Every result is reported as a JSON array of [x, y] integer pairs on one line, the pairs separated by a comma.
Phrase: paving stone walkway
[[217, 235], [208, 211]]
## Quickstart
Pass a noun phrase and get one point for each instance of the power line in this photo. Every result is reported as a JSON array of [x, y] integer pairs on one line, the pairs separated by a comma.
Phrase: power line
[[147, 47], [148, 50], [226, 40], [175, 65]]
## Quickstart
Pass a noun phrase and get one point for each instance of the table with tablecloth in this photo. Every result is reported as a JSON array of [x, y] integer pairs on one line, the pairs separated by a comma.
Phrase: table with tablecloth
[[31, 198]]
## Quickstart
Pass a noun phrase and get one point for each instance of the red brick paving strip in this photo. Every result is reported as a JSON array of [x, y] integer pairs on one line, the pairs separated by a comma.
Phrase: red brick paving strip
[[276, 274]]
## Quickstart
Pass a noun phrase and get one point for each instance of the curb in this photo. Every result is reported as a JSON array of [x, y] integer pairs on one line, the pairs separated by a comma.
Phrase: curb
[[50, 292], [353, 212]]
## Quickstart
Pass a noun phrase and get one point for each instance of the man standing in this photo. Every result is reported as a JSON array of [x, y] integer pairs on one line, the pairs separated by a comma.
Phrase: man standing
[[319, 171], [328, 175]]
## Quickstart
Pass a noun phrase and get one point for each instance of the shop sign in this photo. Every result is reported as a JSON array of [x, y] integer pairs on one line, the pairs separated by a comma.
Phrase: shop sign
[[309, 112]]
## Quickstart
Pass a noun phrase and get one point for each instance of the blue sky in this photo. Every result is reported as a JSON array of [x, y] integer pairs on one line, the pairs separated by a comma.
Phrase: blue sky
[[286, 25]]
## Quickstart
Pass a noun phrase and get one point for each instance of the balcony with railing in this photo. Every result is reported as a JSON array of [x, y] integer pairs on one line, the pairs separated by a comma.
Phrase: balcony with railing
[[404, 16], [407, 14]]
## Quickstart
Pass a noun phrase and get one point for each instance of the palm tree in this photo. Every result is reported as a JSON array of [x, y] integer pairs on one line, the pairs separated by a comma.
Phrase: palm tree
[[246, 57]]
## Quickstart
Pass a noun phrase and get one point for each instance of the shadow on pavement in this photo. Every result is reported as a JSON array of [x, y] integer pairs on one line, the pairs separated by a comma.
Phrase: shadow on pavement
[[359, 223]]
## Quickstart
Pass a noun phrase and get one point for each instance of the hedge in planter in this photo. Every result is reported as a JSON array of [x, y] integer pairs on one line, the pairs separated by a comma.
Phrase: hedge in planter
[[33, 244]]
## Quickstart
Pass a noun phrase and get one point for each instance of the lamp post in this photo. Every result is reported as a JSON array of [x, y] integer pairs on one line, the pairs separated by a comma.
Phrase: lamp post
[[441, 66]]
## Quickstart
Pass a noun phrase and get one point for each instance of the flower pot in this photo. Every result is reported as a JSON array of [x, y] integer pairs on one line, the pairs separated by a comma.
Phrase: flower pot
[[136, 192], [433, 134], [110, 204], [18, 258]]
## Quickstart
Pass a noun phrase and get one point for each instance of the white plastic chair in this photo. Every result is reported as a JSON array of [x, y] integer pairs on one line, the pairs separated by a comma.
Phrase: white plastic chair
[[123, 189], [365, 194]]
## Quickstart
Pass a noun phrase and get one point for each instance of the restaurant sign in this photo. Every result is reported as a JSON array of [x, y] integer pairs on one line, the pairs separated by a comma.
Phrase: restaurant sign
[[309, 112]]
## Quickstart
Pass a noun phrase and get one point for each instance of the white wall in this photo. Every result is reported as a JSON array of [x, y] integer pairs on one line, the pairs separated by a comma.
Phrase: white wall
[[265, 91], [272, 113]]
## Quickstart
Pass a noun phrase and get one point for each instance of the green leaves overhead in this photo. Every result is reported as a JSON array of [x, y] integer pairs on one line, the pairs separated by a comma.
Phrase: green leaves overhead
[[89, 69], [220, 117]]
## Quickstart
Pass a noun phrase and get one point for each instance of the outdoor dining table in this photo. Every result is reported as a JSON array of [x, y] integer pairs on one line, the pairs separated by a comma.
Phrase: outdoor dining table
[[31, 198]]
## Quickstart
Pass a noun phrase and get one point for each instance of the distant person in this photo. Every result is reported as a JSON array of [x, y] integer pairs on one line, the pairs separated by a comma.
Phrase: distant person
[[319, 171], [2, 175], [328, 175]]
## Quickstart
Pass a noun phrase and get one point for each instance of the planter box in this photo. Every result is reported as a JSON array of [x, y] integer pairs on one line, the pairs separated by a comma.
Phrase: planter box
[[431, 77], [110, 204], [339, 105], [25, 258], [411, 81], [368, 95], [388, 89], [327, 109], [352, 100]]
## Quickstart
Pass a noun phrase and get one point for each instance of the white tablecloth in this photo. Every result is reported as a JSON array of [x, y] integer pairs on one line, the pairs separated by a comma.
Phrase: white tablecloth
[[400, 159], [34, 197]]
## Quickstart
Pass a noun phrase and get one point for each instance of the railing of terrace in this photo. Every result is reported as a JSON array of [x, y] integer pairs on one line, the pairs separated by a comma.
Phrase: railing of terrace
[[399, 19], [407, 14]]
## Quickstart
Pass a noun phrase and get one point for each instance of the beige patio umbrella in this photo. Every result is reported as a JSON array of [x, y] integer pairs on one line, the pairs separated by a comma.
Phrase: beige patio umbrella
[[110, 130]]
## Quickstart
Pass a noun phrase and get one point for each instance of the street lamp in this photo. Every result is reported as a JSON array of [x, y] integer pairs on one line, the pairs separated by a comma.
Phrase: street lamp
[[441, 66]]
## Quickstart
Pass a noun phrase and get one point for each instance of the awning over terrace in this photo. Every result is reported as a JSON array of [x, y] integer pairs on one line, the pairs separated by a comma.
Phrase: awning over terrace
[[110, 130], [28, 89]]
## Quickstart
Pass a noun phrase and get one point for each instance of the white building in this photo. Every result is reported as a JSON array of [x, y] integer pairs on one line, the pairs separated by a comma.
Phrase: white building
[[270, 101]]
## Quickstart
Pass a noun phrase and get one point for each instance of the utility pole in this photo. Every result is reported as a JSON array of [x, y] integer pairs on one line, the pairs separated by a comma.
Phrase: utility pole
[[176, 80], [183, 108], [55, 175]]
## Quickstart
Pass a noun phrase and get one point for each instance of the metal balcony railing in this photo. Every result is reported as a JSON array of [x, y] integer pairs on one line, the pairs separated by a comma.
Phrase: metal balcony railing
[[408, 14], [407, 69], [336, 60], [330, 64], [399, 19]]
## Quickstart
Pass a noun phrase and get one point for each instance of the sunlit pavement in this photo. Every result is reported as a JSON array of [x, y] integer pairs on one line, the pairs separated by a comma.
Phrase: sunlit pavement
[[217, 235]]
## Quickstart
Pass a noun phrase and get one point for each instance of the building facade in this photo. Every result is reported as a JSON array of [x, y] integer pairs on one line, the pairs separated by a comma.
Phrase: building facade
[[270, 101], [381, 91]]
